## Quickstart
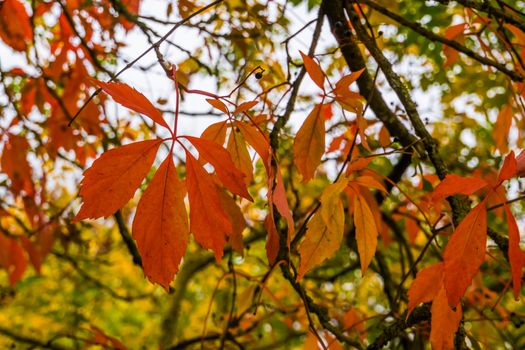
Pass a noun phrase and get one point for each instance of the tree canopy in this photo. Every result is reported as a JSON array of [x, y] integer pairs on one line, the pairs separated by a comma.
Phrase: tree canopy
[[356, 183]]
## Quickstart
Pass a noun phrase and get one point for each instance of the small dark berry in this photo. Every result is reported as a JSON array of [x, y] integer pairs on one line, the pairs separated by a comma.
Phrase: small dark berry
[[380, 33], [338, 24], [258, 75], [396, 139]]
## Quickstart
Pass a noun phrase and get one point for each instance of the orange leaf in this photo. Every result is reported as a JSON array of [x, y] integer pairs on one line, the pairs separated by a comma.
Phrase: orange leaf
[[444, 322], [15, 165], [509, 168], [365, 231], [237, 219], [132, 99], [281, 203], [370, 182], [384, 137], [465, 253], [216, 132], [425, 286], [114, 177], [216, 155], [516, 255], [309, 144], [101, 338], [314, 70], [454, 32], [324, 231], [342, 87], [15, 30], [240, 155], [209, 223], [501, 129], [12, 258], [256, 139], [272, 242], [243, 107], [160, 226], [219, 105], [320, 242], [455, 184]]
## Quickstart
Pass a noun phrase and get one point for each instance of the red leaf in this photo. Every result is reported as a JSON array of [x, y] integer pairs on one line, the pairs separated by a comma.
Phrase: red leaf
[[455, 184], [12, 258], [465, 253], [314, 70], [132, 99], [15, 30], [501, 128], [114, 177], [520, 164], [509, 168], [425, 286], [231, 177], [444, 322], [101, 338], [160, 226], [15, 165], [209, 223], [516, 255]]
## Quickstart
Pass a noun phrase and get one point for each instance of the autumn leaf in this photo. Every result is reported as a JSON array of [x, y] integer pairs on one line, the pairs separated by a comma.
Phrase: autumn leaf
[[219, 105], [332, 210], [426, 286], [325, 229], [309, 144], [465, 252], [454, 184], [314, 70], [455, 32], [502, 128], [365, 231], [256, 140], [114, 177], [216, 132], [231, 177], [240, 155], [509, 168], [243, 107], [132, 99], [12, 258], [237, 219], [516, 255], [101, 338], [444, 322], [209, 223], [160, 226], [15, 165], [321, 241], [15, 30]]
